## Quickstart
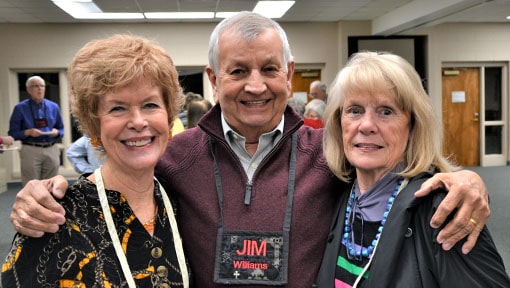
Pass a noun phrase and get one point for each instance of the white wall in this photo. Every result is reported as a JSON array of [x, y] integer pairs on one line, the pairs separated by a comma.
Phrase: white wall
[[323, 45]]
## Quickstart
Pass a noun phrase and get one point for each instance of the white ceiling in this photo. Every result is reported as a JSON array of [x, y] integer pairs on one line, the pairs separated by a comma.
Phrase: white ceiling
[[391, 16]]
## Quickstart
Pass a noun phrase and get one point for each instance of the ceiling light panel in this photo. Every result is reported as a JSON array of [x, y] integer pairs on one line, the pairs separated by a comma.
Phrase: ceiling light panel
[[273, 9]]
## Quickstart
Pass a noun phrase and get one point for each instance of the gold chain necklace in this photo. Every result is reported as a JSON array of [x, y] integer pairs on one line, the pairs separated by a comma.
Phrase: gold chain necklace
[[149, 224]]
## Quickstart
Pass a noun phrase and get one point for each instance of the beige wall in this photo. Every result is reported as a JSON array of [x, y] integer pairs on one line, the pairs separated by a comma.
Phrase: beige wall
[[464, 43], [316, 45]]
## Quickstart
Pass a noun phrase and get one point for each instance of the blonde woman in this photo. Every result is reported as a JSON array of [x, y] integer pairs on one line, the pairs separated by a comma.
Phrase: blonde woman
[[381, 136]]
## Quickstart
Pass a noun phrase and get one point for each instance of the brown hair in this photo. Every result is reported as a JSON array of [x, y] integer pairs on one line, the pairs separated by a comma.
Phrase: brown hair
[[105, 65]]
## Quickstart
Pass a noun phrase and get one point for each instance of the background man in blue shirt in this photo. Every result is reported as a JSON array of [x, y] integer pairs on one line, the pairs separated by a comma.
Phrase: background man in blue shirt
[[83, 156], [37, 122]]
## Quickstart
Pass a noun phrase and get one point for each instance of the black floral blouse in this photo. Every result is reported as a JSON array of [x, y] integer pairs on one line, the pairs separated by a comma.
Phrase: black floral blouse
[[81, 253]]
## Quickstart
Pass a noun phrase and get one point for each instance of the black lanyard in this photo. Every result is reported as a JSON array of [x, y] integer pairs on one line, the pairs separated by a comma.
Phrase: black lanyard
[[34, 117], [290, 188], [251, 265]]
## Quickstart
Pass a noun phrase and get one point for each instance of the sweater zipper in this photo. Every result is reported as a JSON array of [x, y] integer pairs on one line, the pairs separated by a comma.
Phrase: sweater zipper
[[247, 193], [249, 184]]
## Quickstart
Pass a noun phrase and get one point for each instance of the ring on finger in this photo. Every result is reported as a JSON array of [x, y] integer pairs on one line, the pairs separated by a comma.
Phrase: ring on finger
[[473, 221]]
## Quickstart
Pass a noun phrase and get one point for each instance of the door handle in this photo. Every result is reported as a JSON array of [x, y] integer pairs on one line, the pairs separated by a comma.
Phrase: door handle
[[477, 117]]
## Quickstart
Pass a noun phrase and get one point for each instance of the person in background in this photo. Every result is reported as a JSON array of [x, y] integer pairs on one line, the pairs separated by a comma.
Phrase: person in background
[[318, 90], [177, 126], [84, 157], [297, 104], [197, 109], [38, 124], [120, 229], [189, 97], [381, 136], [6, 140], [314, 113], [251, 181]]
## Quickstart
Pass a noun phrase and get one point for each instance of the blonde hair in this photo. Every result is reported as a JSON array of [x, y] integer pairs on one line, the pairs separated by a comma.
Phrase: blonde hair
[[373, 72], [105, 65]]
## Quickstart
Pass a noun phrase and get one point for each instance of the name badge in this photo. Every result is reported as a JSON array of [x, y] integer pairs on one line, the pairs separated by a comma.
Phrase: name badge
[[251, 258], [41, 122]]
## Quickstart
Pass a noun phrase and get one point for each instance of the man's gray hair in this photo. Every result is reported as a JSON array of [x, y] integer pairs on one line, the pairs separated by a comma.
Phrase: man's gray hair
[[32, 79], [248, 25]]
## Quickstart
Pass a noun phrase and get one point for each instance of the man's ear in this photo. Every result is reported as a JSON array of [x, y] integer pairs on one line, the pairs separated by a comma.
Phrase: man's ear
[[212, 77]]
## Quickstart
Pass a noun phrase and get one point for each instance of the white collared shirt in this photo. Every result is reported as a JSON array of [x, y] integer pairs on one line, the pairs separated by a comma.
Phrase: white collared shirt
[[267, 142]]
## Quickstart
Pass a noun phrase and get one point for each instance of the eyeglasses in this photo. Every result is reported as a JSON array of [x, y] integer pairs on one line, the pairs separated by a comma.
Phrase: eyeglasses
[[38, 86]]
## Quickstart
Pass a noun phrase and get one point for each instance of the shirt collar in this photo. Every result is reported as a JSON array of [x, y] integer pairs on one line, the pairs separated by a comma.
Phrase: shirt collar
[[227, 129], [35, 103]]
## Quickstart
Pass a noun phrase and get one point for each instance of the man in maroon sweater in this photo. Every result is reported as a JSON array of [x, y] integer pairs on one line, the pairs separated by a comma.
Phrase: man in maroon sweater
[[255, 194]]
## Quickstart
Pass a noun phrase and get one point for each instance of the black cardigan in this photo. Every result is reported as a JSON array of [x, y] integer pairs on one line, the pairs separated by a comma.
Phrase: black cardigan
[[408, 254]]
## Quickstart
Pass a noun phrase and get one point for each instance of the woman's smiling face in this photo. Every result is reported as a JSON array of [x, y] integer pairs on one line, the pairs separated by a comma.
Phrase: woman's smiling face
[[134, 126], [375, 133]]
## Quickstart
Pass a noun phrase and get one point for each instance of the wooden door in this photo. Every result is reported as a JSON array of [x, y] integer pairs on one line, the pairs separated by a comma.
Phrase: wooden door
[[302, 79], [461, 110]]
